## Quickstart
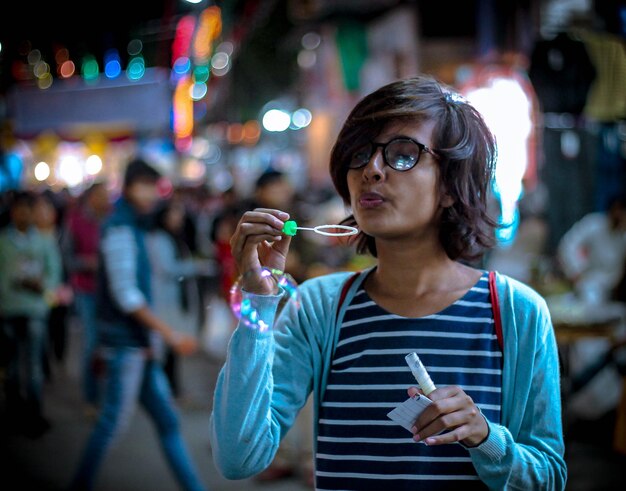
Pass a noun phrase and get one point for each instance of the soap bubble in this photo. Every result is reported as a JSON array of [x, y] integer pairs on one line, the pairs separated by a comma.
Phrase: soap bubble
[[243, 309]]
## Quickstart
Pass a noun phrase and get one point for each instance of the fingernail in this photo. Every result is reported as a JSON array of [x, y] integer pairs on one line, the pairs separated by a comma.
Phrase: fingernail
[[416, 437], [414, 429], [283, 215]]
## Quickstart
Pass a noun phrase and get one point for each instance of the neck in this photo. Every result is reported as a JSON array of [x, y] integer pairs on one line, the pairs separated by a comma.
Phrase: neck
[[405, 269]]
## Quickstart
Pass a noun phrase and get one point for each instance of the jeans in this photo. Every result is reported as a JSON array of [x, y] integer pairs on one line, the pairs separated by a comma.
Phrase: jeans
[[85, 304], [25, 338], [130, 376]]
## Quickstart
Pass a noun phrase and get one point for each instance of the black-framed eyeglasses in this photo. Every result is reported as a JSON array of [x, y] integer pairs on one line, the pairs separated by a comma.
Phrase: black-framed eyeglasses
[[401, 154]]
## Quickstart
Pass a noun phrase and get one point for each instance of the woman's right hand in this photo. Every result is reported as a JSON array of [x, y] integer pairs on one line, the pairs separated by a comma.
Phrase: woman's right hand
[[258, 242]]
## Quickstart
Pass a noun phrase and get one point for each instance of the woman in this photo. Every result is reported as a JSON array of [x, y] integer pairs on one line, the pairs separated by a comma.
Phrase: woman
[[414, 162], [175, 292], [47, 220]]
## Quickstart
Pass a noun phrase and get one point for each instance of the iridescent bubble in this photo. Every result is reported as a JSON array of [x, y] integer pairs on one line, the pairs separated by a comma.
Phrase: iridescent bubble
[[243, 308]]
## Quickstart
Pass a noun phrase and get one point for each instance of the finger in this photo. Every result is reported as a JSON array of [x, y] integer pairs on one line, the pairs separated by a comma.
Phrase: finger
[[276, 218], [248, 234], [451, 416], [282, 246], [281, 215], [260, 224], [447, 437], [442, 405], [446, 392], [413, 391], [257, 221]]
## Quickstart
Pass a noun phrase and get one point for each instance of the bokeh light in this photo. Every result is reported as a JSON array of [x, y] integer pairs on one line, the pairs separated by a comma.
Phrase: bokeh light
[[136, 68], [93, 165], [42, 171], [276, 120], [301, 118], [112, 64], [89, 68]]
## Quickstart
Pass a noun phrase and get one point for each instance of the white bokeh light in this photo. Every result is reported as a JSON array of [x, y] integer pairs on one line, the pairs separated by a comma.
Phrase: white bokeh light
[[93, 165], [42, 171], [276, 120], [70, 171]]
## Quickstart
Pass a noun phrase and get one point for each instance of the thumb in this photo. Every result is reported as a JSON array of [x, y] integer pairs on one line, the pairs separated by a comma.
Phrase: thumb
[[278, 253], [281, 246], [413, 391]]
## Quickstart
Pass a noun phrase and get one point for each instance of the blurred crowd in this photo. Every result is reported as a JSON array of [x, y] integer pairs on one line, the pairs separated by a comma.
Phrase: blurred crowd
[[51, 265], [50, 268]]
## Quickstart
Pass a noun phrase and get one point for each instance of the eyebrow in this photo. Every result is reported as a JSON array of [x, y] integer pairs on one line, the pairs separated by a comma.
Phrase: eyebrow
[[400, 135]]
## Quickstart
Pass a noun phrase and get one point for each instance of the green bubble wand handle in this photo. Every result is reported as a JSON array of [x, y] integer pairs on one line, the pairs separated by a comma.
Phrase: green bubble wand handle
[[291, 228]]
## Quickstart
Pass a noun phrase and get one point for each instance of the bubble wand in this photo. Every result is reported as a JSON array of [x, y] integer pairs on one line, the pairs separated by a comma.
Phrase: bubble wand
[[291, 228]]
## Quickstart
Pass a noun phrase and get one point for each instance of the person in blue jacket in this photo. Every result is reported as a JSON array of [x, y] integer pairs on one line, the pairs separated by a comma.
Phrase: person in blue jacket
[[414, 162], [129, 336]]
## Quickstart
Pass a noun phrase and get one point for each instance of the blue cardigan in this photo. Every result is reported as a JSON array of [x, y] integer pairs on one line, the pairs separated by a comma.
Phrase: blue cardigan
[[268, 376]]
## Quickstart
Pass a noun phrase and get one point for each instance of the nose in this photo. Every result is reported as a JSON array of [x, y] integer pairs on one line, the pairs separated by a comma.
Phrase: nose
[[375, 168]]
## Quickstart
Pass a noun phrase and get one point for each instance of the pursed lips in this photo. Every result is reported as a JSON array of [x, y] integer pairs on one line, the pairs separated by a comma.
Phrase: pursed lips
[[371, 200]]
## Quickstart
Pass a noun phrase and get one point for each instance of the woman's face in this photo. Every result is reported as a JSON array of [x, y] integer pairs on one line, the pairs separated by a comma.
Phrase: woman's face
[[175, 218], [44, 213], [389, 204], [143, 194]]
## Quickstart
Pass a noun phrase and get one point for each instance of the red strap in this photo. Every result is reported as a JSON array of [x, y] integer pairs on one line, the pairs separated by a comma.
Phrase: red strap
[[495, 305], [344, 290]]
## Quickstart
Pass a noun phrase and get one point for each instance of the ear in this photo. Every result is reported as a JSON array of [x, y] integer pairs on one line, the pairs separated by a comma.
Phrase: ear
[[446, 200]]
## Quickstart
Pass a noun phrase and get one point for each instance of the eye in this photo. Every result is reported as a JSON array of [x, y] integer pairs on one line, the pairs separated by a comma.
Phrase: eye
[[403, 154], [361, 156]]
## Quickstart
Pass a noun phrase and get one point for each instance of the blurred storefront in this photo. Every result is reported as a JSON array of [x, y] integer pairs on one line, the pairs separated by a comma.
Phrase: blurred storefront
[[77, 131]]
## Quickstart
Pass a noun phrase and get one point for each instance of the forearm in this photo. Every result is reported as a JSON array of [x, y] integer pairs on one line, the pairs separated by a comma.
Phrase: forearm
[[244, 434], [529, 452], [503, 463], [148, 319]]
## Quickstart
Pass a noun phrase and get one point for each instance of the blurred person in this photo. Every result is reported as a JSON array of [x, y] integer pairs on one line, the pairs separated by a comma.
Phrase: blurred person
[[29, 272], [592, 252], [222, 229], [129, 332], [47, 221], [175, 292], [414, 161], [80, 242]]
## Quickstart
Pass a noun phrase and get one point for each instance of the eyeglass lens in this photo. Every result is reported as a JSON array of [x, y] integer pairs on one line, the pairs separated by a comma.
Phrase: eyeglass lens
[[400, 154]]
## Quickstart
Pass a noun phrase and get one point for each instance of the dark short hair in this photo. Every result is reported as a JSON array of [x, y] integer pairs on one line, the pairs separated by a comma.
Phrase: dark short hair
[[22, 198], [268, 177], [464, 144], [139, 170]]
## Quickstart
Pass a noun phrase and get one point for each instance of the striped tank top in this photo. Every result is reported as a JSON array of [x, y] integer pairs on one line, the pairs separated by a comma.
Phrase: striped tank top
[[358, 446]]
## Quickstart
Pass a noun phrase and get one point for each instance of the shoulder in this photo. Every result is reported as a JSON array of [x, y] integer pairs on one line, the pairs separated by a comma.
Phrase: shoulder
[[522, 308], [325, 289], [519, 294], [331, 281], [591, 222]]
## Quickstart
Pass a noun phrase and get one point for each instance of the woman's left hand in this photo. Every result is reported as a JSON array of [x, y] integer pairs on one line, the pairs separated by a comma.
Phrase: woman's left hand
[[452, 411]]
